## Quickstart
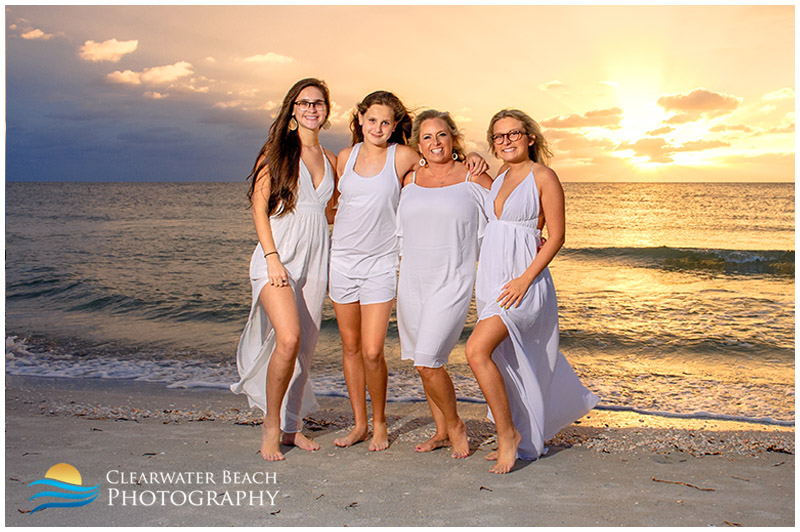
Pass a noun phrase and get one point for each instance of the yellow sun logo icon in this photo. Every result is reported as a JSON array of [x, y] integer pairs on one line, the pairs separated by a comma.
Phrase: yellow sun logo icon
[[68, 480]]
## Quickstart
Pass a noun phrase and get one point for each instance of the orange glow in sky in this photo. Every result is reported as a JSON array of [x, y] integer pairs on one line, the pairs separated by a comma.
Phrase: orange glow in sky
[[624, 93]]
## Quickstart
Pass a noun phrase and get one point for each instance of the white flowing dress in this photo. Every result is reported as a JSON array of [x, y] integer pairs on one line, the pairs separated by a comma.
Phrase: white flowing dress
[[440, 231], [302, 240], [543, 391]]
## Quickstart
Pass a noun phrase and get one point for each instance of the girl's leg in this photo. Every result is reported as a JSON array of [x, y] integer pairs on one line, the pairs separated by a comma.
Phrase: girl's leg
[[374, 323], [486, 336], [281, 308], [348, 316], [292, 424], [439, 388]]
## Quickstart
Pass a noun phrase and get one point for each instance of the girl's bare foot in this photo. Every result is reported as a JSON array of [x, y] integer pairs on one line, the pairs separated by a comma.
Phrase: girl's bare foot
[[380, 437], [492, 456], [354, 436], [459, 441], [299, 440], [436, 442], [271, 443], [506, 452]]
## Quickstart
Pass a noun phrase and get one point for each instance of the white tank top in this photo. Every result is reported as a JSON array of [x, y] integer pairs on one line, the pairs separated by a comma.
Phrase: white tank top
[[364, 240]]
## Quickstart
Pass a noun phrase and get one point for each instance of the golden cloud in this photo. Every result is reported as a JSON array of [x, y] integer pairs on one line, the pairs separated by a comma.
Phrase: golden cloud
[[160, 75], [659, 150], [111, 50], [269, 57], [37, 34], [660, 131], [721, 128], [780, 94], [608, 118], [697, 104], [555, 84]]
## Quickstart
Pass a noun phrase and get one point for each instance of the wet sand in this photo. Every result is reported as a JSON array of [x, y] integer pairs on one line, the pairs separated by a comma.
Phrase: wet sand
[[609, 469]]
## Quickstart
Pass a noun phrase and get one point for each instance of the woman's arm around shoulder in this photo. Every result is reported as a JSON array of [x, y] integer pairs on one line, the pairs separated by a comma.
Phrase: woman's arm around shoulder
[[405, 159], [341, 160], [330, 208], [483, 179]]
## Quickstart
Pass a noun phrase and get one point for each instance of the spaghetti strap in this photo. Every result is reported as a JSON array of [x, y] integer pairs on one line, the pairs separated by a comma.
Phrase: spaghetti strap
[[468, 176], [414, 177]]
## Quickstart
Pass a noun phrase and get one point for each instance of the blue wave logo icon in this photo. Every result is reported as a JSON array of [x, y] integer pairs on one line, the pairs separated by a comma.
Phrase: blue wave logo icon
[[67, 479]]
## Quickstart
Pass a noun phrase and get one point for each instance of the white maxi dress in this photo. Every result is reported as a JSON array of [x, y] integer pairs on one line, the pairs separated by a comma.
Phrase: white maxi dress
[[543, 391], [440, 230], [302, 240]]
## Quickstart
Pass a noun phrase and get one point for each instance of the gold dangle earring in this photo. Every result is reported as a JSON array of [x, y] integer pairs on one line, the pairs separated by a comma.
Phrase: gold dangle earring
[[292, 124]]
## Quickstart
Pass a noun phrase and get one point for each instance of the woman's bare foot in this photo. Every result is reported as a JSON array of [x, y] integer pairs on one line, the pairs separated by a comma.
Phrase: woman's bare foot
[[271, 443], [380, 437], [492, 456], [459, 441], [354, 436], [299, 440], [506, 452], [436, 442]]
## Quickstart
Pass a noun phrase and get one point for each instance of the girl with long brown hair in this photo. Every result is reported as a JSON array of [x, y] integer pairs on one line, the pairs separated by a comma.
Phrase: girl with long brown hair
[[291, 188]]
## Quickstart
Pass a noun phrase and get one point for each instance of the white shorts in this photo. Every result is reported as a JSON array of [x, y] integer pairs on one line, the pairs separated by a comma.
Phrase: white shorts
[[378, 288]]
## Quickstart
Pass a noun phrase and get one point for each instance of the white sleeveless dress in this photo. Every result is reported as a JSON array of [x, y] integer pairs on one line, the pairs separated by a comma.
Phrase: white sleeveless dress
[[440, 231], [543, 391], [363, 242], [302, 241]]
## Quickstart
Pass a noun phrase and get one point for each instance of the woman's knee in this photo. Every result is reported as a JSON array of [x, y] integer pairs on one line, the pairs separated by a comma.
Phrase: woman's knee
[[476, 352], [287, 344], [351, 349], [373, 356]]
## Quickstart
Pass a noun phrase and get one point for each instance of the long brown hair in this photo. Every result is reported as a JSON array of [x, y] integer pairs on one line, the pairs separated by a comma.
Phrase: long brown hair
[[281, 152], [401, 132], [539, 151]]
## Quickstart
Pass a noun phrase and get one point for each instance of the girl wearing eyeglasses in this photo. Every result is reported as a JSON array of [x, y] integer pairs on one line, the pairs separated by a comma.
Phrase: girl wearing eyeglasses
[[531, 390], [291, 186]]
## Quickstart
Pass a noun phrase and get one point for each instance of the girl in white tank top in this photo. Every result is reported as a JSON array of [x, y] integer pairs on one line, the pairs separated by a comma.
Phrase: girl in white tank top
[[364, 254], [364, 243]]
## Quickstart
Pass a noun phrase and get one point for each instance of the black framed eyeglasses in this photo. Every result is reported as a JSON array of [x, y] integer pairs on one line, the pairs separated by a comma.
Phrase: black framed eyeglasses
[[513, 136], [304, 105]]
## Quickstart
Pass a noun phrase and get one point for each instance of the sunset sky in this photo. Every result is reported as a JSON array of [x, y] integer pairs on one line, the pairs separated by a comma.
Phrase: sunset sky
[[186, 93]]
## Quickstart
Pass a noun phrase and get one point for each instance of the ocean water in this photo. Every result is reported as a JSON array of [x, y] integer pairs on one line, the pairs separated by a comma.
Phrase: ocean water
[[675, 299]]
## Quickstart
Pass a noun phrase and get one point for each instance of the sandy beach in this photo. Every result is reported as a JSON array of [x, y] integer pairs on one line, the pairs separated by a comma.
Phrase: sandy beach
[[166, 457]]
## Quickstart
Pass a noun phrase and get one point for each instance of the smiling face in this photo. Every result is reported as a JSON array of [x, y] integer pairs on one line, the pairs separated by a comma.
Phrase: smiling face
[[435, 141], [377, 124], [508, 150], [316, 112]]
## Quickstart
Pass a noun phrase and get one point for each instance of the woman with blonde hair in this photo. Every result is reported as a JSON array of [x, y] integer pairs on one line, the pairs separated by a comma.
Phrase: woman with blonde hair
[[440, 223], [531, 390], [291, 186]]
